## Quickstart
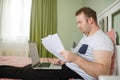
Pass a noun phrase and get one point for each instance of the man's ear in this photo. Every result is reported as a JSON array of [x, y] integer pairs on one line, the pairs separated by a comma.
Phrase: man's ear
[[90, 20]]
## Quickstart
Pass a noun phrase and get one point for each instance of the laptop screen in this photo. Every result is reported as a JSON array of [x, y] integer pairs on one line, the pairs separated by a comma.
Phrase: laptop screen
[[34, 53]]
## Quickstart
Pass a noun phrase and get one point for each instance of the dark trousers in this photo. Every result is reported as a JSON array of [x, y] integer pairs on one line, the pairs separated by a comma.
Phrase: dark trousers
[[28, 73]]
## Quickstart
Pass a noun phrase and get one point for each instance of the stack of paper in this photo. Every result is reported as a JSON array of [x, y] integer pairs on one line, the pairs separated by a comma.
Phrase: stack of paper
[[54, 45]]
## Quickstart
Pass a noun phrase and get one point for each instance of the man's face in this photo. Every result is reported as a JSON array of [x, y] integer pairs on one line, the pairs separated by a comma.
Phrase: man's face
[[82, 23]]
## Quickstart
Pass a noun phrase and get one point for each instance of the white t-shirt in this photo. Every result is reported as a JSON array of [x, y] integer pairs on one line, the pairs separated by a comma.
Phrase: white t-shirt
[[85, 48]]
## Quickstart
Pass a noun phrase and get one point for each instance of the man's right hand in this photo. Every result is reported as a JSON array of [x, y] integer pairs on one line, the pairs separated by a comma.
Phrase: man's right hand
[[57, 61]]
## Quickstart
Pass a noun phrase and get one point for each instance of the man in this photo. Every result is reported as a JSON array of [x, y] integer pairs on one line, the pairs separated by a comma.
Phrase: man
[[91, 57], [94, 51]]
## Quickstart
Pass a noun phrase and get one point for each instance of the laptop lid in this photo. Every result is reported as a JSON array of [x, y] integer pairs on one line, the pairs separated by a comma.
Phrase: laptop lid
[[34, 53]]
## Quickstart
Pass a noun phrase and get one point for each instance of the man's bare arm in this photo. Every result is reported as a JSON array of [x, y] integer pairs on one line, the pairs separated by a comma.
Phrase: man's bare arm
[[100, 66]]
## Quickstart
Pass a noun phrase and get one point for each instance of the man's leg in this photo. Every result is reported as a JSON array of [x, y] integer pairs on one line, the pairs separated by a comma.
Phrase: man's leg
[[64, 74], [10, 72], [28, 73]]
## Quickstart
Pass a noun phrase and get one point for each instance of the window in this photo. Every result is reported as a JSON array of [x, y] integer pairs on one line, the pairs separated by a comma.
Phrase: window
[[14, 22]]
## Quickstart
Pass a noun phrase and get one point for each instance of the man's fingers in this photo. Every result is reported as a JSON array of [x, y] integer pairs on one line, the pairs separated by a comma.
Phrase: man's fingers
[[56, 62]]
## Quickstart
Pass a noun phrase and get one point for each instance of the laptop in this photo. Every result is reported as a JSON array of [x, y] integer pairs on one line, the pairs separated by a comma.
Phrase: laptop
[[36, 64]]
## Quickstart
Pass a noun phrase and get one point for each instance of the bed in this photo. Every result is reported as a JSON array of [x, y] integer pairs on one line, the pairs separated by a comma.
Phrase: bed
[[19, 61]]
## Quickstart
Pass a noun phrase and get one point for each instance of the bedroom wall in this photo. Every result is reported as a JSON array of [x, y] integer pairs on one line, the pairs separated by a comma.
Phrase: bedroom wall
[[98, 5], [67, 28]]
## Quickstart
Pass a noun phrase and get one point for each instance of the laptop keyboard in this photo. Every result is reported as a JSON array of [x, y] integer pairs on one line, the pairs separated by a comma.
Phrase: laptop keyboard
[[44, 64]]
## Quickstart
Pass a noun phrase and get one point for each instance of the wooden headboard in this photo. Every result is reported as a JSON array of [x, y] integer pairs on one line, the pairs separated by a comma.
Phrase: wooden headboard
[[105, 17]]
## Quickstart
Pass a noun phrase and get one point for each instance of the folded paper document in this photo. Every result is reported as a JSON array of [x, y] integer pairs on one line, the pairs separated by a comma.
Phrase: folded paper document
[[54, 45]]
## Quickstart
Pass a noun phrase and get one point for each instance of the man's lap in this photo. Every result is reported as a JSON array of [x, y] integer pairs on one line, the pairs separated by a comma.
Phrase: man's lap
[[27, 73]]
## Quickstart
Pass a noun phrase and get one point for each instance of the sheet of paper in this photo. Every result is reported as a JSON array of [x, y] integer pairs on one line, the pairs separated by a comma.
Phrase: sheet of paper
[[54, 45]]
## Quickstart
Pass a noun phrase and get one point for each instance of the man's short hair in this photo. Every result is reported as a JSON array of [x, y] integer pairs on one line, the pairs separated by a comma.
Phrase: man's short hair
[[88, 12]]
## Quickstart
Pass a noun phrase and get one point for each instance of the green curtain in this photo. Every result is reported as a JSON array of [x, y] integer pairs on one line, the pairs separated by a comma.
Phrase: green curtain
[[43, 22]]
